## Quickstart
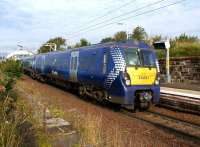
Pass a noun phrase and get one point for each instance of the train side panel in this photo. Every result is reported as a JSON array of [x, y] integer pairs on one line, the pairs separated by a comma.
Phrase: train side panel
[[92, 69], [28, 65], [40, 64], [57, 65]]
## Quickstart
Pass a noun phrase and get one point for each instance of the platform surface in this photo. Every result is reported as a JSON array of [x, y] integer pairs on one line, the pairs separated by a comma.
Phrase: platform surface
[[181, 92], [187, 86]]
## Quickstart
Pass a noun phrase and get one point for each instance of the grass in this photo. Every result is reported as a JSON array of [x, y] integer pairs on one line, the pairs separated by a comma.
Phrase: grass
[[182, 49], [8, 137], [90, 128], [8, 120], [18, 127], [9, 117]]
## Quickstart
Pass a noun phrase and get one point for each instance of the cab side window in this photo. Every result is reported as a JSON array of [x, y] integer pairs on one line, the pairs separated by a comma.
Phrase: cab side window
[[73, 63], [105, 61]]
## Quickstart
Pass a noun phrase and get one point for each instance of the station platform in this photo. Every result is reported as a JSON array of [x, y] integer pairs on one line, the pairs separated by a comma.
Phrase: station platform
[[187, 86], [180, 92]]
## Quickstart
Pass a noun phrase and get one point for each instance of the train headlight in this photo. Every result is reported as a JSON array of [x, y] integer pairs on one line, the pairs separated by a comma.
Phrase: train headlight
[[157, 82], [127, 79], [128, 82]]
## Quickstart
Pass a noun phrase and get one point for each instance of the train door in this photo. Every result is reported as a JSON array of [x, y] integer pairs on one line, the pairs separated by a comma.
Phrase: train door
[[74, 62]]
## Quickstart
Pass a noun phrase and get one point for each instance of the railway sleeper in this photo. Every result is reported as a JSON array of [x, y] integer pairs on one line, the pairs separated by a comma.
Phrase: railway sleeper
[[183, 105]]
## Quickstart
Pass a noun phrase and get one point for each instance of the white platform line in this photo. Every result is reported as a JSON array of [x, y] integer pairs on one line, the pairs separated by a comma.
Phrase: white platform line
[[180, 94]]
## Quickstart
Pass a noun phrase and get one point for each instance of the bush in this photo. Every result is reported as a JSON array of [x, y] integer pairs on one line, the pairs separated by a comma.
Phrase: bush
[[11, 68], [182, 49], [9, 71], [9, 120]]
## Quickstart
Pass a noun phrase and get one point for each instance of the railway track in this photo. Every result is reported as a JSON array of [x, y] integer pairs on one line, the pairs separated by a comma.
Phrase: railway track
[[180, 128], [183, 102], [183, 129]]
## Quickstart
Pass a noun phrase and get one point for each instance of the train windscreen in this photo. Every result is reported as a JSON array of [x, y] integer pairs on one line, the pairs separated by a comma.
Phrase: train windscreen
[[132, 57], [148, 58]]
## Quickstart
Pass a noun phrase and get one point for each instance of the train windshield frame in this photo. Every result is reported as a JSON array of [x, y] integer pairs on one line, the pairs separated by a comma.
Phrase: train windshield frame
[[139, 57], [148, 58], [132, 57]]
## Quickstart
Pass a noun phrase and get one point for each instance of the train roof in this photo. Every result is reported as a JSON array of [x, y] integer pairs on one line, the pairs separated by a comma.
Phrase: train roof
[[125, 44]]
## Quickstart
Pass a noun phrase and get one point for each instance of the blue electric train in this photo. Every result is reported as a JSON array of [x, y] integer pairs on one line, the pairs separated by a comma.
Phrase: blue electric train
[[126, 72]]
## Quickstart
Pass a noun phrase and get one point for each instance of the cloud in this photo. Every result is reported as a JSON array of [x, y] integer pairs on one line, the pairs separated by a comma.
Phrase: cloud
[[35, 21]]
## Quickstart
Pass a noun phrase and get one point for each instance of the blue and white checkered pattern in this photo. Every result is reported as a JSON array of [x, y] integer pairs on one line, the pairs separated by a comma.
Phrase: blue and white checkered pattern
[[119, 65]]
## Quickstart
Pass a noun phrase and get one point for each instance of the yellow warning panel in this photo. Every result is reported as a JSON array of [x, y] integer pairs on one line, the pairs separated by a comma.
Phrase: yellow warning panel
[[141, 75]]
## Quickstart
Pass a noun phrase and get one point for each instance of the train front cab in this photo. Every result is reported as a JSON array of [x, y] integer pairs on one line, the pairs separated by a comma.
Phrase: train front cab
[[140, 81]]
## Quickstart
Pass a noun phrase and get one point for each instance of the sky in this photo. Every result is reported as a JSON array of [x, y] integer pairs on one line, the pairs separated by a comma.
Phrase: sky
[[31, 23]]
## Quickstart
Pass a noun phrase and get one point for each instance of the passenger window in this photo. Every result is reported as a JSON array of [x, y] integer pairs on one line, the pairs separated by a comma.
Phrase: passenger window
[[72, 62], [75, 63], [104, 63]]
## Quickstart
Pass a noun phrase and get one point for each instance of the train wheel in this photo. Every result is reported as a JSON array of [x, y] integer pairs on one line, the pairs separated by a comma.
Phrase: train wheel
[[144, 106], [81, 91]]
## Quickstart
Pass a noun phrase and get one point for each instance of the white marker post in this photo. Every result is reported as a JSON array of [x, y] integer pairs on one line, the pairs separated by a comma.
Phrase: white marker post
[[164, 45]]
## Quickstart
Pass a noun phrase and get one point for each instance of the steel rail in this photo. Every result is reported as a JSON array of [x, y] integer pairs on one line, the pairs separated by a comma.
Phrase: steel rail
[[180, 128], [180, 102]]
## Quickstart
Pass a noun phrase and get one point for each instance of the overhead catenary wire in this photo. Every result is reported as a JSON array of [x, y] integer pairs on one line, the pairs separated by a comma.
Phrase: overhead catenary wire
[[111, 11], [105, 14], [129, 17], [113, 18]]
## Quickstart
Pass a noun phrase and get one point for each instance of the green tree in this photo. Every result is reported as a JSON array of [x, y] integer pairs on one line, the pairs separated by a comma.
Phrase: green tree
[[139, 33], [83, 42], [156, 38], [76, 45], [119, 36], [107, 39], [59, 41], [186, 38]]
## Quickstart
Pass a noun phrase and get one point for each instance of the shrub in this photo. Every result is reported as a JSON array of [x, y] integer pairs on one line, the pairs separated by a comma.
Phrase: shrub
[[11, 68], [182, 49], [9, 72]]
